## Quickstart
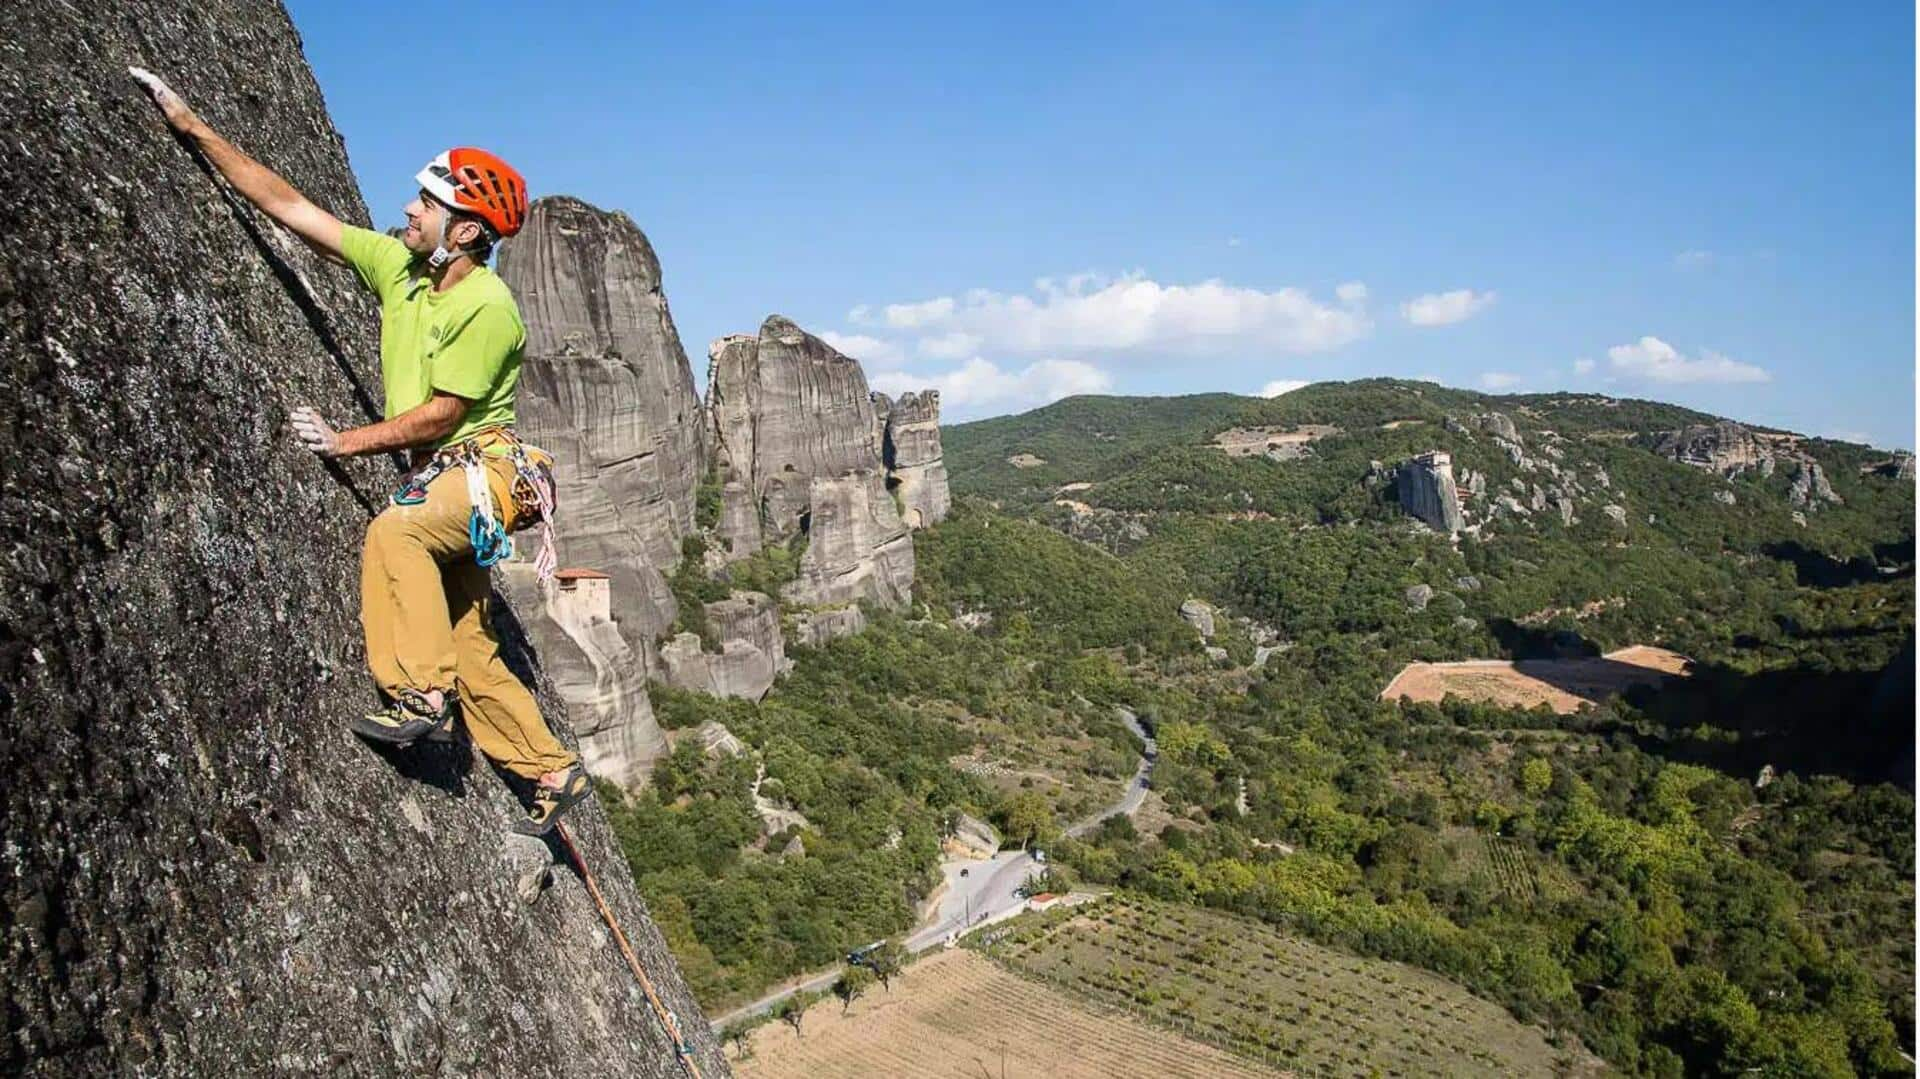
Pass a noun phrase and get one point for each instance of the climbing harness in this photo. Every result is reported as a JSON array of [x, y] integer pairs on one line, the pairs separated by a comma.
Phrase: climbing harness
[[531, 491], [666, 1016]]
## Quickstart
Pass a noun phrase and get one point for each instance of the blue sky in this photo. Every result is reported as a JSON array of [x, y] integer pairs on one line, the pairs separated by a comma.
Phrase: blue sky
[[1710, 206]]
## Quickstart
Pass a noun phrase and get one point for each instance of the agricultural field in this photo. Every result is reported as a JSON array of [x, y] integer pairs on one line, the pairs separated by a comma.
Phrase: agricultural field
[[1507, 866], [958, 1014], [1297, 1006], [1563, 685]]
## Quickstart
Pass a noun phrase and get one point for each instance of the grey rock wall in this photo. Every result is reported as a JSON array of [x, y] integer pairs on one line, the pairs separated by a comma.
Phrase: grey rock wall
[[1426, 490], [916, 466], [205, 872], [606, 386], [752, 653], [786, 408]]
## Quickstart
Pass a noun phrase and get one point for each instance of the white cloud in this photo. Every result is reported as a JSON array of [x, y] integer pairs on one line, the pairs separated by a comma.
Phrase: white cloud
[[1499, 380], [1854, 435], [1234, 241], [1446, 308], [949, 346], [1086, 313], [1282, 385], [1435, 379], [1694, 259], [906, 316], [1583, 366], [1353, 292], [1654, 360], [863, 347], [979, 386]]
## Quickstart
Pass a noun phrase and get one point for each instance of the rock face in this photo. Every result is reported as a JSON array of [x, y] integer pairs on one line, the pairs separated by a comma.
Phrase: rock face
[[606, 386], [1199, 614], [1426, 490], [1724, 447], [752, 653], [594, 670], [785, 407], [910, 446], [206, 873], [799, 444], [857, 547]]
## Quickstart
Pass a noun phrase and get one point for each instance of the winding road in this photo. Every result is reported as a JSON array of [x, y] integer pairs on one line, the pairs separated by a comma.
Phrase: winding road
[[976, 891]]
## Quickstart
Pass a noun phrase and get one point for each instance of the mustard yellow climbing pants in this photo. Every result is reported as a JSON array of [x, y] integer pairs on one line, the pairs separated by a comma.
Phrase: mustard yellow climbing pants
[[423, 605]]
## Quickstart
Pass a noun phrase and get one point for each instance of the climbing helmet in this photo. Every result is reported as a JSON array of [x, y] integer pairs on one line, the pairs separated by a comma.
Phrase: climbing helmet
[[477, 182]]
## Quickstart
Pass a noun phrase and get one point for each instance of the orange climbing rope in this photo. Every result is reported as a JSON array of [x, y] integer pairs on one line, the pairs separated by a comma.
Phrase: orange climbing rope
[[653, 997]]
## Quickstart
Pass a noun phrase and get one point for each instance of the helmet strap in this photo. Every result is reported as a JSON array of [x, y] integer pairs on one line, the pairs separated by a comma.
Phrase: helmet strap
[[441, 255]]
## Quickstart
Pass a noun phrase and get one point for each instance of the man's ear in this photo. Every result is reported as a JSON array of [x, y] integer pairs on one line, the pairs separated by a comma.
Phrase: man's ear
[[465, 232]]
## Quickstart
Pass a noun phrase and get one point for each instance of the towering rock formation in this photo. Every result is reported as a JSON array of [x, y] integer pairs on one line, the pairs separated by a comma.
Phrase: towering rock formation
[[1426, 490], [785, 408], [798, 442], [910, 445], [607, 388], [205, 873]]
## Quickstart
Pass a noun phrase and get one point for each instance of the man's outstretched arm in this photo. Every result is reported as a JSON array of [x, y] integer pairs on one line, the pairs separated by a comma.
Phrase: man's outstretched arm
[[261, 185], [422, 425]]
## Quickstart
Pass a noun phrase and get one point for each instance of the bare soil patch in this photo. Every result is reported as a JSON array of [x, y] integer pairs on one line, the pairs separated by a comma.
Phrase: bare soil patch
[[957, 1012], [1561, 684]]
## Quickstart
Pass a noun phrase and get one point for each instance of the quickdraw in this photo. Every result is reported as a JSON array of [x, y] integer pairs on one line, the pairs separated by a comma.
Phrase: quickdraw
[[531, 491]]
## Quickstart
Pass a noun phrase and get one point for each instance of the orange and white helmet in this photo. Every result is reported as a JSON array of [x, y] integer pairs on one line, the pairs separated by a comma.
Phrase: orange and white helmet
[[477, 182]]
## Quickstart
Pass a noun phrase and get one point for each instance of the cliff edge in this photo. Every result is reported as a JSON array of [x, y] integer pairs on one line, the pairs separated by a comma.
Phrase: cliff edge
[[204, 870]]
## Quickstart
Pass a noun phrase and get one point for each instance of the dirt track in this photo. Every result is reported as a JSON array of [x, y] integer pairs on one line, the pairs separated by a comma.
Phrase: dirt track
[[951, 1016], [1561, 684]]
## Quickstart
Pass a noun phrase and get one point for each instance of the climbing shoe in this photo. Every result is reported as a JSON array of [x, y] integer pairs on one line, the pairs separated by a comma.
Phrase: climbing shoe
[[409, 718], [550, 802]]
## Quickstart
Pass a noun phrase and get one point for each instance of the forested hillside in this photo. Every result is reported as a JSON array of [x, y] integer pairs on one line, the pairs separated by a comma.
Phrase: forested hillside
[[1707, 878], [1626, 873]]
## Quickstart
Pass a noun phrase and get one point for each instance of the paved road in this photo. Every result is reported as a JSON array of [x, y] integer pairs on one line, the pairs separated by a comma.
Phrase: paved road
[[978, 891], [1136, 794]]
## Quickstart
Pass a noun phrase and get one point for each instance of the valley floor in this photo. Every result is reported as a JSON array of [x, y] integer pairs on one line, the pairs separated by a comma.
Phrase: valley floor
[[957, 1013]]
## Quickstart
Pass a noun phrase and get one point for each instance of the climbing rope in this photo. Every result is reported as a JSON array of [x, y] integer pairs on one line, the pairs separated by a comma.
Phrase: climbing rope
[[660, 1009]]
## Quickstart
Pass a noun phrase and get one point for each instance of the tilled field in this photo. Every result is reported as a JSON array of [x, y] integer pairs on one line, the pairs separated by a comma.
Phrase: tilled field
[[1561, 684], [955, 1013]]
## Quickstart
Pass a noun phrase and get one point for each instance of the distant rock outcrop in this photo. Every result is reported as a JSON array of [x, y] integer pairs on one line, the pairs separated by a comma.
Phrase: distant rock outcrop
[[910, 446], [803, 447], [205, 873], [1426, 490], [1199, 614], [1725, 447], [786, 407], [752, 653], [1810, 486]]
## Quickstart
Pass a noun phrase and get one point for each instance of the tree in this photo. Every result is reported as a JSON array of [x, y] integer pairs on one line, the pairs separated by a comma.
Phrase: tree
[[885, 961], [853, 982], [1026, 816], [740, 1036], [791, 1011], [1536, 776]]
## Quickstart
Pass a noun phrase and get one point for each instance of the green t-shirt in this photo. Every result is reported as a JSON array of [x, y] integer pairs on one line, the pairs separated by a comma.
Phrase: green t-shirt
[[465, 341]]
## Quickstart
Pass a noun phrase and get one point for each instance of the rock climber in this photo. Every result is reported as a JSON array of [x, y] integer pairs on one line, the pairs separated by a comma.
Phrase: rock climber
[[450, 348]]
